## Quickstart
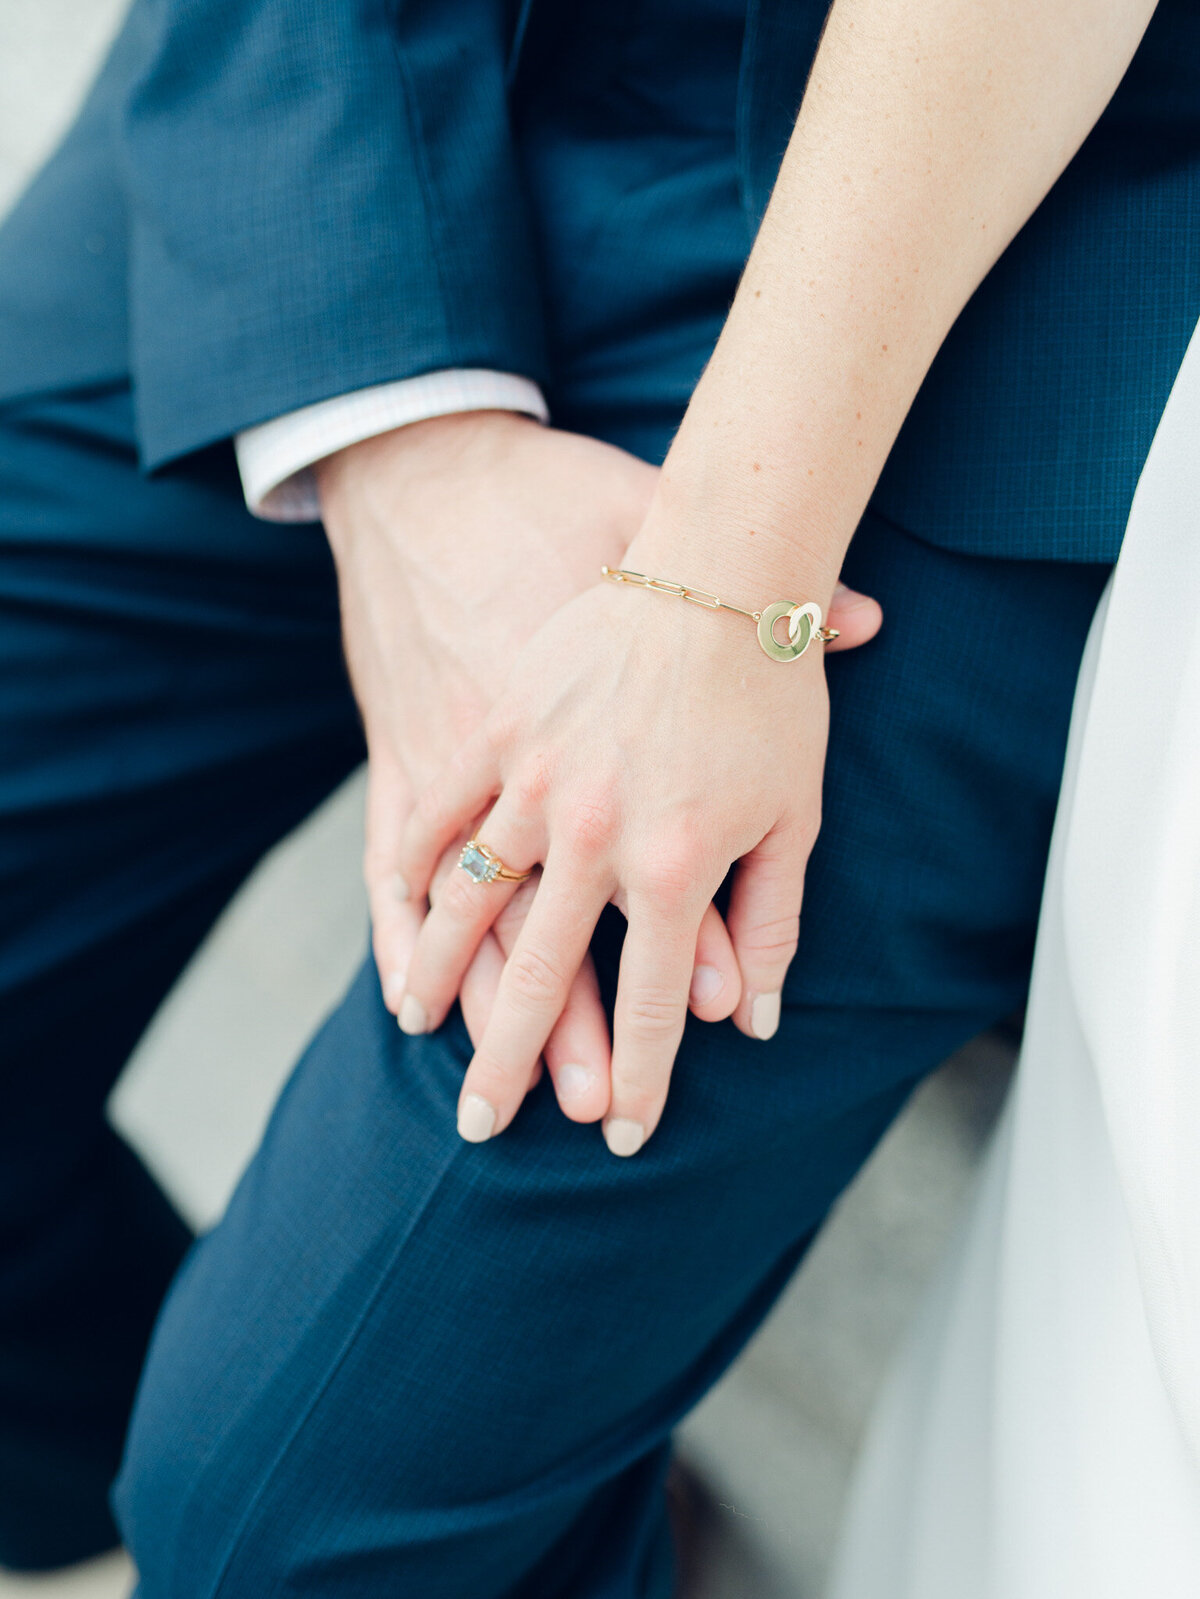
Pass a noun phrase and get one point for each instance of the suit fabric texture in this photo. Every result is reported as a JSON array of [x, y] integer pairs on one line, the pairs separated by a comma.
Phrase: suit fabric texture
[[401, 1365]]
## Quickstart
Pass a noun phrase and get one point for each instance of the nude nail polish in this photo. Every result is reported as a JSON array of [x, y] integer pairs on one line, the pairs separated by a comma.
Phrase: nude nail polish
[[412, 1018], [764, 1015], [623, 1136], [399, 886], [575, 1082], [393, 988], [707, 983], [476, 1119]]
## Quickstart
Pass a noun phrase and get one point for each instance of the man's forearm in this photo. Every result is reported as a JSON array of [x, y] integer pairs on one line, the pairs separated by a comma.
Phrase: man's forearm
[[930, 131]]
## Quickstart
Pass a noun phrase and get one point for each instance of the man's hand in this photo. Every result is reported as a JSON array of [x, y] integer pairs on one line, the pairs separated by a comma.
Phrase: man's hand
[[454, 540]]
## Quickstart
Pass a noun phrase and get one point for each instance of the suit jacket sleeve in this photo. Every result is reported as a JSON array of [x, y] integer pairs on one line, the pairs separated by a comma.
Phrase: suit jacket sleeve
[[324, 196]]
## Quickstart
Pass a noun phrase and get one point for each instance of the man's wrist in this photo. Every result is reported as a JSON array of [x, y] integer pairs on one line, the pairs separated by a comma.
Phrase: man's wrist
[[276, 459], [389, 471]]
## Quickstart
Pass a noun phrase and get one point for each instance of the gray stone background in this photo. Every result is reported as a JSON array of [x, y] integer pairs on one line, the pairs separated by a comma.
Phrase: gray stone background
[[777, 1438]]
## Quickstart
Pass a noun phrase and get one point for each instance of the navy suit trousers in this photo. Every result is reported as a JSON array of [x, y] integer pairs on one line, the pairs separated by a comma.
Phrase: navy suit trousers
[[402, 1365]]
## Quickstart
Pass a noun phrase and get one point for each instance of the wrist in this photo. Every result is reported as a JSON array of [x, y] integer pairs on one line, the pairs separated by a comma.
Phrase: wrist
[[747, 552], [381, 474]]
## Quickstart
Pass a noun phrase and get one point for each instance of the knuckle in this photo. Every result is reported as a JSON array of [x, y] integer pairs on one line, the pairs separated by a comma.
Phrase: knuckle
[[774, 940], [654, 1014], [534, 977], [533, 784], [669, 875], [591, 825], [675, 864]]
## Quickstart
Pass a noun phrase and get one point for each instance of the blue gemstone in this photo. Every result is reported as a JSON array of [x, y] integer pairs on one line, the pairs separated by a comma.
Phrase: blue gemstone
[[476, 864]]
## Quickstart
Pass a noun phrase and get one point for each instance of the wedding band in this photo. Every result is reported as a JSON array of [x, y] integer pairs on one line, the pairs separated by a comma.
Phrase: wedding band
[[483, 865]]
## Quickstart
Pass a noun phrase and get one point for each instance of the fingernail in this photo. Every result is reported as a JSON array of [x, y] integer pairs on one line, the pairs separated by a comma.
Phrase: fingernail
[[476, 1119], [575, 1082], [707, 983], [848, 599], [764, 1015], [393, 988], [624, 1137], [400, 889], [412, 1017]]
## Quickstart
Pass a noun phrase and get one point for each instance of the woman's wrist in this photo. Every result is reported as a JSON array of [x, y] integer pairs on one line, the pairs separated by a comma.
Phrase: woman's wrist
[[748, 503], [744, 622], [741, 547]]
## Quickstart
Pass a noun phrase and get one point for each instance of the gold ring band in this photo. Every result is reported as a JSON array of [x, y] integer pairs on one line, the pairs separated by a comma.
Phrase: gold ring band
[[483, 865]]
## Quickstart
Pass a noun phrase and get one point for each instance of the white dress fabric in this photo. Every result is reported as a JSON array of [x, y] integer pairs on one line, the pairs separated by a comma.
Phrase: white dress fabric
[[1040, 1438]]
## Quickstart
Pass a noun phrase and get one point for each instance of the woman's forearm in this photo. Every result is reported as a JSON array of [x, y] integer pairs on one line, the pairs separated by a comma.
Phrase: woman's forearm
[[929, 132], [639, 749]]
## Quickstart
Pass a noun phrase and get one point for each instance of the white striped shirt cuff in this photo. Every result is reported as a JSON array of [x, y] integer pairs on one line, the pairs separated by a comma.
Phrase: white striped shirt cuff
[[275, 458]]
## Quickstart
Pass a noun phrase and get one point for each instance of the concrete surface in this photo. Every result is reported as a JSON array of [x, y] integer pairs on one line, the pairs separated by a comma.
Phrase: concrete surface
[[776, 1440]]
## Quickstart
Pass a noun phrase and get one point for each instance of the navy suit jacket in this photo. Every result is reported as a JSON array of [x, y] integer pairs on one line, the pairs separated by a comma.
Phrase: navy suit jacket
[[282, 200]]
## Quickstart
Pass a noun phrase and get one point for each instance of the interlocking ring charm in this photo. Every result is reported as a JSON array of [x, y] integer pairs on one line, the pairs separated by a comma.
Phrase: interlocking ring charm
[[804, 624]]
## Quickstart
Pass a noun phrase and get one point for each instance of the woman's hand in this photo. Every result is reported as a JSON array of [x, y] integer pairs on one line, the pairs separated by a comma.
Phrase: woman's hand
[[640, 747], [639, 755], [452, 538]]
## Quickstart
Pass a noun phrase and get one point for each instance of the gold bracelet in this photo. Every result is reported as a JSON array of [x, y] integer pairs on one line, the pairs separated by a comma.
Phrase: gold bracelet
[[804, 621]]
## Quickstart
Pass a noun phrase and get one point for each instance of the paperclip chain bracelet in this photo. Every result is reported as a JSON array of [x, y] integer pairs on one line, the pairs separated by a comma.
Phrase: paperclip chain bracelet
[[804, 621]]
